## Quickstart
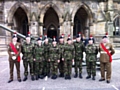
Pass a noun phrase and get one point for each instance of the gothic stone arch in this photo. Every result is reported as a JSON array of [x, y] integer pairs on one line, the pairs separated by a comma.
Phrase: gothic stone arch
[[14, 8], [46, 7], [88, 10]]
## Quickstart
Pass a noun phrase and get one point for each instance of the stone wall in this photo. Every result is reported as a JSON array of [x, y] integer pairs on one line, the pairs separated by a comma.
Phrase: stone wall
[[36, 11]]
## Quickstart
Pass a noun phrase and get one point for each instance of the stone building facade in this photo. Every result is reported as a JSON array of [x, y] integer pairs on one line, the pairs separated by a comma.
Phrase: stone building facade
[[54, 17]]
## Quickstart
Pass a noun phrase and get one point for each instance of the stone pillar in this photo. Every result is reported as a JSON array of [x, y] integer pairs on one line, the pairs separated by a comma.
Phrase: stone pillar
[[110, 27], [110, 5], [34, 28], [87, 33], [100, 28], [40, 30], [71, 27]]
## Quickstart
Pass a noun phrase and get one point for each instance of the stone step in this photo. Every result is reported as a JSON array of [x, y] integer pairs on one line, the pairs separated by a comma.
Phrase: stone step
[[3, 47], [116, 44]]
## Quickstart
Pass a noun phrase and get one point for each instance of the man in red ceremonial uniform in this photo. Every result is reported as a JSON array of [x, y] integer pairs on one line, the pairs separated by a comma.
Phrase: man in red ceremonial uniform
[[106, 52], [14, 49]]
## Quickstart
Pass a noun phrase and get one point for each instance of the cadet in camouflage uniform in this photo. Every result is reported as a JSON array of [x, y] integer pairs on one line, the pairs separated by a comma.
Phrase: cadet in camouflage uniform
[[61, 50], [54, 58], [91, 52], [27, 50], [46, 66], [79, 48], [68, 58], [38, 58]]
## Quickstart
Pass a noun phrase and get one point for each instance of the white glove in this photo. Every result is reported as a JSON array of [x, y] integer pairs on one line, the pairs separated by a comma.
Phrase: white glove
[[14, 57]]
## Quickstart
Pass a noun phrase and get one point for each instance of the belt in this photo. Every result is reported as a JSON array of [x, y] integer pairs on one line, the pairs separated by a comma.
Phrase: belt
[[12, 52], [103, 52]]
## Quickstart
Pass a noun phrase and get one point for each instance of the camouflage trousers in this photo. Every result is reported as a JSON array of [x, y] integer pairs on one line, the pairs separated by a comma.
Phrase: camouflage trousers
[[46, 67], [91, 68], [78, 65], [68, 67], [38, 68], [54, 67], [26, 64], [61, 66]]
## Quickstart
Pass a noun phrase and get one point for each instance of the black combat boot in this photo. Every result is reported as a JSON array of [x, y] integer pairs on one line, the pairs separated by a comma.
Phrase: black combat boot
[[55, 76], [41, 76], [19, 80], [66, 77], [80, 75], [25, 78], [93, 78], [108, 81], [32, 78], [10, 81], [89, 76], [36, 77], [76, 75], [69, 77]]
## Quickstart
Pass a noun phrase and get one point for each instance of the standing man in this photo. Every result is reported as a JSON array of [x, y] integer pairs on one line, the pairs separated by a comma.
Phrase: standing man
[[61, 50], [38, 58], [27, 50], [79, 48], [68, 58], [91, 53], [14, 49], [54, 58], [46, 66], [106, 52]]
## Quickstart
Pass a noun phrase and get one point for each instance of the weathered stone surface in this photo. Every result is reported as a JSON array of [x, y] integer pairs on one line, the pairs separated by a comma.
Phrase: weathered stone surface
[[35, 13]]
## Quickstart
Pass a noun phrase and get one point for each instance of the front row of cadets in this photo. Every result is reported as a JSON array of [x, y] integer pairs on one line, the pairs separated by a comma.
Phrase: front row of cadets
[[45, 59]]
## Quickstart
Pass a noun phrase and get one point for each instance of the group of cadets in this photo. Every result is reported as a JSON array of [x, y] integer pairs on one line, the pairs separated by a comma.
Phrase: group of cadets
[[46, 59]]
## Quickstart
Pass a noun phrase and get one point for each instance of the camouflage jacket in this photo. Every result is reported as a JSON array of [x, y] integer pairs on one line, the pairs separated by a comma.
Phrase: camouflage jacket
[[69, 52], [28, 51], [38, 53], [54, 53], [91, 52], [79, 49], [46, 50], [61, 49]]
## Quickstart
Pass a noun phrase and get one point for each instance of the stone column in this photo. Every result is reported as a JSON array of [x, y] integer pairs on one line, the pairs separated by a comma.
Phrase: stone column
[[87, 33], [71, 27], [41, 30], [34, 29], [110, 27]]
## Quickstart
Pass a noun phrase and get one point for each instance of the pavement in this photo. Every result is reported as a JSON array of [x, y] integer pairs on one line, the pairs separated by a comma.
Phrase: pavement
[[60, 83]]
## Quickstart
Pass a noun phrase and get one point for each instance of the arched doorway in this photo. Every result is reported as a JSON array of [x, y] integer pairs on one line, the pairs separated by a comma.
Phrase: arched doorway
[[80, 21], [51, 31], [51, 23], [20, 21]]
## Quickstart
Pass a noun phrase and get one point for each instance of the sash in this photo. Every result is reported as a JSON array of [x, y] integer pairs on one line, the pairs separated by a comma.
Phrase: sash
[[15, 50], [107, 51]]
